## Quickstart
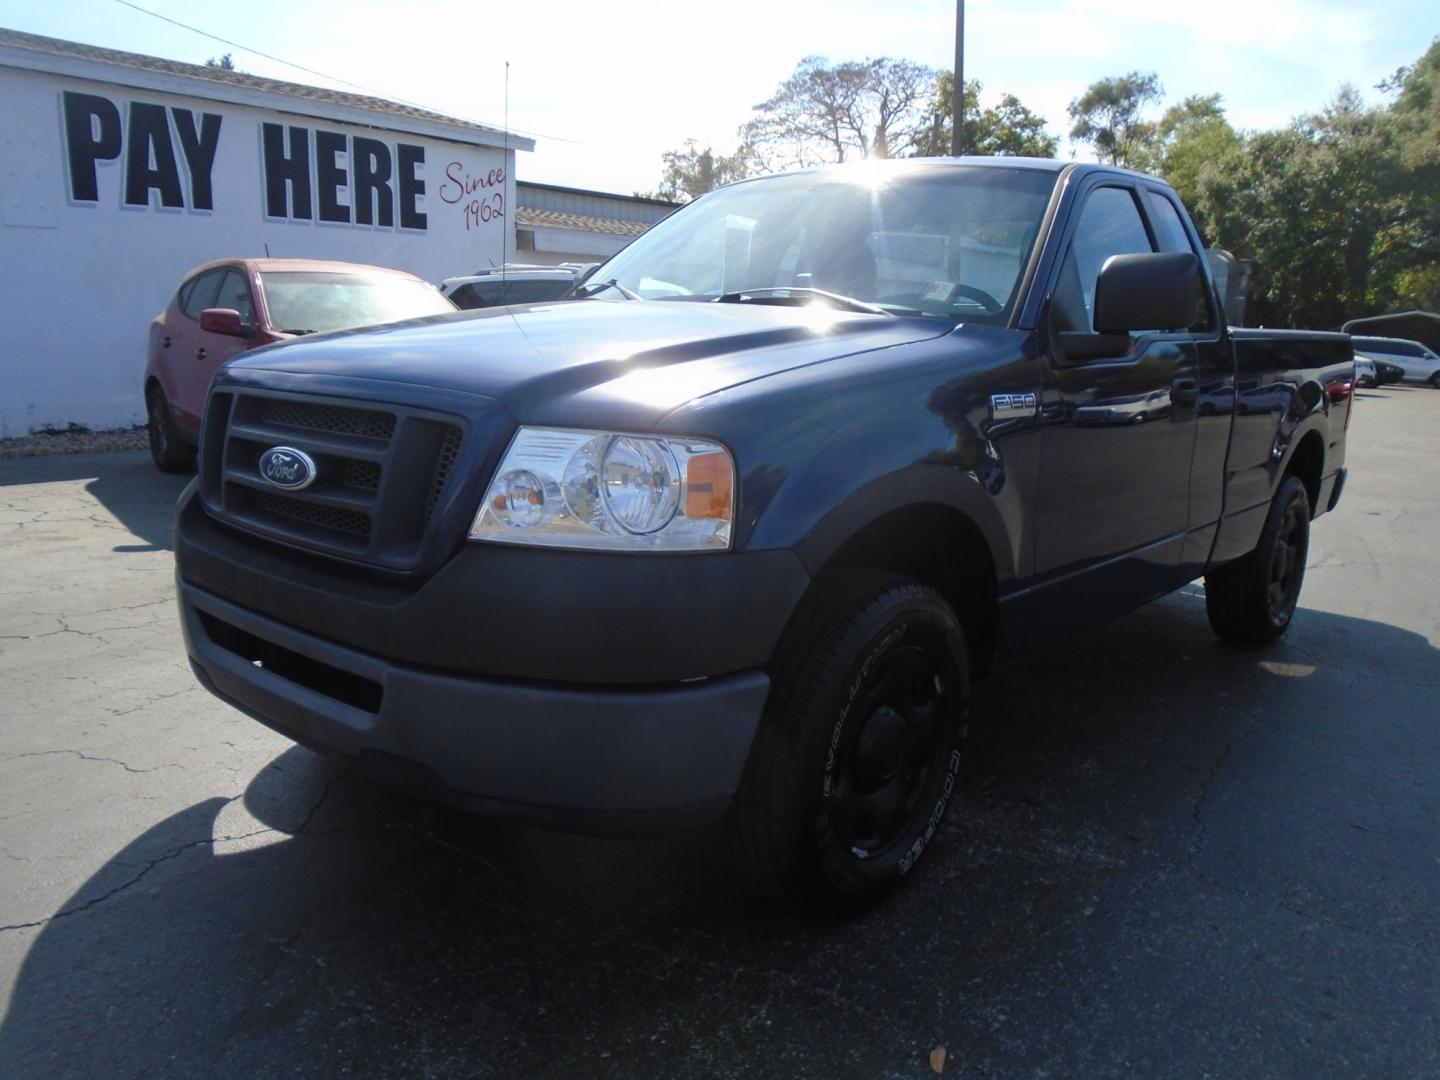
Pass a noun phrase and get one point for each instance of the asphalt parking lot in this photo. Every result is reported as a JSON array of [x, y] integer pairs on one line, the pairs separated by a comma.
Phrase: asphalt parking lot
[[1172, 858]]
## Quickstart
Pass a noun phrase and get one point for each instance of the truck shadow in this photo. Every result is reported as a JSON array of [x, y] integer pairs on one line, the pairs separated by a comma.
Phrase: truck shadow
[[351, 930], [136, 494]]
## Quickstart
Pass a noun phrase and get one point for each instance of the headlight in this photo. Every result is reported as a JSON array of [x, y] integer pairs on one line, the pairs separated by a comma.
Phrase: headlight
[[610, 492]]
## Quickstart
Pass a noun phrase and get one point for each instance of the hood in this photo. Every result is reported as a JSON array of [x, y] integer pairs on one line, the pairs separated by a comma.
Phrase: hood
[[589, 362]]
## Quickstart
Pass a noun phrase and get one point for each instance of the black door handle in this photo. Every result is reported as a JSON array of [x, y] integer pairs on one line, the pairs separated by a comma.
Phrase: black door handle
[[1183, 392], [200, 353], [165, 341]]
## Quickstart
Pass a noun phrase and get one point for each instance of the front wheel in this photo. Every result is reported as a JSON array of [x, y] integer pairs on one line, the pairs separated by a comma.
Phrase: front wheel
[[1435, 380], [1251, 601], [857, 756]]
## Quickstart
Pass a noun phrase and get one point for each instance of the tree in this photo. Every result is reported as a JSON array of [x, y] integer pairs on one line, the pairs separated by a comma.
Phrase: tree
[[1189, 139], [1008, 129], [1108, 116], [1408, 251], [1311, 205], [690, 171], [827, 113], [224, 63]]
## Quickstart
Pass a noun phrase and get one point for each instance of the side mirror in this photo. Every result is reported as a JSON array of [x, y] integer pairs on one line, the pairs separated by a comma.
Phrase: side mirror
[[227, 321], [1146, 292]]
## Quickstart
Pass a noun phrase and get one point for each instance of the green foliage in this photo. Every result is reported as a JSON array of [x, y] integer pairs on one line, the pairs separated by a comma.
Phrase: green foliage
[[1108, 116], [1008, 129], [224, 63], [690, 171], [1340, 212]]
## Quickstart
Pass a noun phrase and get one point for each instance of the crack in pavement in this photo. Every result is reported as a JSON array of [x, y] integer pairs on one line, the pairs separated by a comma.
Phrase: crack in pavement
[[178, 851], [90, 757]]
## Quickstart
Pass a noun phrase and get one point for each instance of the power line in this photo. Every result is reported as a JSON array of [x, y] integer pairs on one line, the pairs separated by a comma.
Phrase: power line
[[312, 71]]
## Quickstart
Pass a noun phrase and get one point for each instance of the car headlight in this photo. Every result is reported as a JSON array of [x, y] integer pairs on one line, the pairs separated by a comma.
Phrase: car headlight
[[607, 491]]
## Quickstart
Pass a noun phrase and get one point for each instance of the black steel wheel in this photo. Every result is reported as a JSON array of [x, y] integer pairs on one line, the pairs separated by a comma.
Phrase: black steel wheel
[[169, 452], [1252, 600], [858, 754]]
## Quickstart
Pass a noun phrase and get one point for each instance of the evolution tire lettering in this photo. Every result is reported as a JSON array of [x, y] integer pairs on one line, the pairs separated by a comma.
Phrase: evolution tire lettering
[[908, 860]]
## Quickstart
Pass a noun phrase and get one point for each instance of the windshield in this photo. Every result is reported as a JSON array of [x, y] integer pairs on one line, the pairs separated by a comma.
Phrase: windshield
[[307, 302], [947, 242]]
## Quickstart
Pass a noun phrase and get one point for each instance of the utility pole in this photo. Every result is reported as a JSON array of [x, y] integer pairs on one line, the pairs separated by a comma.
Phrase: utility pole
[[957, 136]]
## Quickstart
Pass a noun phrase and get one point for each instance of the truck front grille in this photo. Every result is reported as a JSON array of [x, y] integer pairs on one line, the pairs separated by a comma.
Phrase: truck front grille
[[381, 473]]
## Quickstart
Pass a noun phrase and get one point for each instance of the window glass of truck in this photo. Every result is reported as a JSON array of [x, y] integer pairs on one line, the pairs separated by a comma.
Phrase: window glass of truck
[[948, 241], [1170, 235], [1110, 224]]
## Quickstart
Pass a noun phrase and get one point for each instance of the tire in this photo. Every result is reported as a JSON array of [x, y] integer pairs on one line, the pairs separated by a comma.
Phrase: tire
[[168, 450], [857, 756], [1435, 380], [1252, 600]]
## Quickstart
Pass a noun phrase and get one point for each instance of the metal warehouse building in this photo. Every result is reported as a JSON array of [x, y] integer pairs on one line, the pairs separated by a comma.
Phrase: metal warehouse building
[[120, 172]]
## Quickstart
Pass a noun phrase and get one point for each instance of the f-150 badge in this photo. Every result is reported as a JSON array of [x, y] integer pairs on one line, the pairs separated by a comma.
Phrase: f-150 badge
[[1011, 406]]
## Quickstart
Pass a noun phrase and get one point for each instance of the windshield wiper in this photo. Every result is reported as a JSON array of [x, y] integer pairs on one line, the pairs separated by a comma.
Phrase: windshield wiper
[[591, 288], [299, 332], [789, 292]]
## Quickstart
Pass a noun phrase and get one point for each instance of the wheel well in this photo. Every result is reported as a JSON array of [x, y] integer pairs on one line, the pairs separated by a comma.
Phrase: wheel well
[[1307, 464], [939, 547]]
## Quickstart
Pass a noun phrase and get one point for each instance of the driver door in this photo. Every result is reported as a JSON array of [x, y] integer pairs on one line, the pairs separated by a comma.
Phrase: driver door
[[1117, 439]]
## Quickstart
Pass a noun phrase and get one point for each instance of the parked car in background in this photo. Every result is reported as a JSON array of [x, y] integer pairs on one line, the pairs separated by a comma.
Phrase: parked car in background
[[226, 307], [1371, 371], [1419, 362], [1386, 372], [514, 284]]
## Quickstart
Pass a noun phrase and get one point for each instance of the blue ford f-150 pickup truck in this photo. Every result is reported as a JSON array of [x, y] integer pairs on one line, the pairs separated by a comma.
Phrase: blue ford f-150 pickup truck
[[728, 537]]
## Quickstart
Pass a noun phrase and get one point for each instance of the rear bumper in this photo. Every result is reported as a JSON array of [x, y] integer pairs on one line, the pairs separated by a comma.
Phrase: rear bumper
[[594, 758]]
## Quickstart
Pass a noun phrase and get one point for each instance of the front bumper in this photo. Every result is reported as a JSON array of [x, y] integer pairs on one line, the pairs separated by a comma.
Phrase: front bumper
[[598, 758]]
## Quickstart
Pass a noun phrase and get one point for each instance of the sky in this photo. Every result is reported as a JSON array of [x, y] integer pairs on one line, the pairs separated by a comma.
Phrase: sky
[[606, 88]]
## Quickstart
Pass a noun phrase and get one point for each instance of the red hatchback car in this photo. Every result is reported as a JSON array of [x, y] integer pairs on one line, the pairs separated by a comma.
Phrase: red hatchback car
[[226, 307]]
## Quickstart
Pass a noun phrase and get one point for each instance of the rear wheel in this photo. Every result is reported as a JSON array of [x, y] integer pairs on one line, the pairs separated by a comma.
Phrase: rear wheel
[[856, 760], [167, 450], [1252, 600]]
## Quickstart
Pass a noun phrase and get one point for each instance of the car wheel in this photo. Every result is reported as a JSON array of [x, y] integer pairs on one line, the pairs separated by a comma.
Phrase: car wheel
[[857, 756], [1252, 600], [169, 452], [1435, 380]]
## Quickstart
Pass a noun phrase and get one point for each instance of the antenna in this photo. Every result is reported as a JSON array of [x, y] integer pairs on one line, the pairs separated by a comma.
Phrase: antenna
[[511, 216], [267, 251]]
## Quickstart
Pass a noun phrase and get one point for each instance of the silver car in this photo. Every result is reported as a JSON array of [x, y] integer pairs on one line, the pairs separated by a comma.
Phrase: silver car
[[1419, 362]]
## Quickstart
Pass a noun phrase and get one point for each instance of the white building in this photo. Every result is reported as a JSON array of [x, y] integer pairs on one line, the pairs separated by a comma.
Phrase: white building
[[562, 224], [120, 172]]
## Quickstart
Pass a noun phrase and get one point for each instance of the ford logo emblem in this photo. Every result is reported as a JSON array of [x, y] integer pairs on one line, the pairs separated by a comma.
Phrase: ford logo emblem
[[288, 468]]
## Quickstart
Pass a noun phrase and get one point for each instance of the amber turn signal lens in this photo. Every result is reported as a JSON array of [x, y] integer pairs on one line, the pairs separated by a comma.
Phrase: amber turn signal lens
[[708, 487]]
